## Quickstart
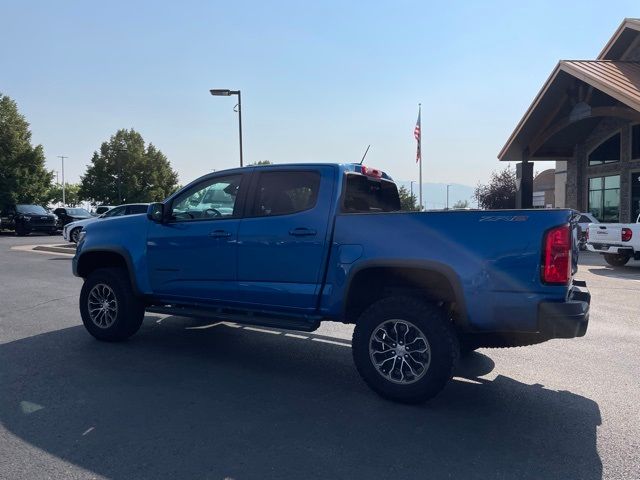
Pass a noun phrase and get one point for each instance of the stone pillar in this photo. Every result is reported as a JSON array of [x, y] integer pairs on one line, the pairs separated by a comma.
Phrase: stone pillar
[[524, 185], [560, 187]]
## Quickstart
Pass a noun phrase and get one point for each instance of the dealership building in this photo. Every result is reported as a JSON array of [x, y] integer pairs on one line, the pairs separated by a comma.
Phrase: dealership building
[[586, 118]]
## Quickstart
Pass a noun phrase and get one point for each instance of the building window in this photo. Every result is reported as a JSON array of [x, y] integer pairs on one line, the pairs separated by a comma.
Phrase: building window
[[604, 198], [635, 142], [607, 152], [635, 196]]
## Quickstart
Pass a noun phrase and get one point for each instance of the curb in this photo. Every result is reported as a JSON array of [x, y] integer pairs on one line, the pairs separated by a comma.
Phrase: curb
[[55, 249], [67, 251]]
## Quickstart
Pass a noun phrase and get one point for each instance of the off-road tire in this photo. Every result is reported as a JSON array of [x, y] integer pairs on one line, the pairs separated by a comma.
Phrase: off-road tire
[[616, 259], [433, 323], [130, 308]]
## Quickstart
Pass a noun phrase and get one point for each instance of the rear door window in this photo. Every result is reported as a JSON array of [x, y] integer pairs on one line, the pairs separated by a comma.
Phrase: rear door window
[[284, 193]]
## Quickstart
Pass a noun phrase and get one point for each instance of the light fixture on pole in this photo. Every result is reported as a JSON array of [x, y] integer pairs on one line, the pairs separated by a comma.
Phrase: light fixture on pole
[[217, 92]]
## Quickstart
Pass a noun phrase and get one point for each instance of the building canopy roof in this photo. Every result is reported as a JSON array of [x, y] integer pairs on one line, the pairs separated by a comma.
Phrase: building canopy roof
[[575, 96]]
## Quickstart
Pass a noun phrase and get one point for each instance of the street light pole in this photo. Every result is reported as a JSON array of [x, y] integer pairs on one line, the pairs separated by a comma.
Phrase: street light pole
[[64, 198], [240, 125], [119, 150], [217, 92]]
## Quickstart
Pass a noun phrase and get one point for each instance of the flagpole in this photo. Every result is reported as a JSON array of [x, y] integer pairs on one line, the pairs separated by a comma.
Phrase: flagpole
[[420, 159]]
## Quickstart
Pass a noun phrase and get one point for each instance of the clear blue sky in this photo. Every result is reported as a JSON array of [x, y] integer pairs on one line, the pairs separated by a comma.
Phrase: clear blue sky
[[320, 80]]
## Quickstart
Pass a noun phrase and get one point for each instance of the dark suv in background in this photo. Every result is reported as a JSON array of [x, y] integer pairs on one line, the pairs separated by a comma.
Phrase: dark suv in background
[[24, 219]]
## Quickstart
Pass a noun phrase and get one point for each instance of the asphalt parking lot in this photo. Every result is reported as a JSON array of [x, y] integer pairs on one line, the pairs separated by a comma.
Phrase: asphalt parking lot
[[186, 399]]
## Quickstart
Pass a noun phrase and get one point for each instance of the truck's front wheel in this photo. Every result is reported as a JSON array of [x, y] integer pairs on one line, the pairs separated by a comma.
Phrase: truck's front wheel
[[616, 259], [109, 308], [405, 349]]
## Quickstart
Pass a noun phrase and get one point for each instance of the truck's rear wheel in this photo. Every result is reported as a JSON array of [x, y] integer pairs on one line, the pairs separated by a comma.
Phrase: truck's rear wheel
[[405, 349], [109, 308], [616, 259]]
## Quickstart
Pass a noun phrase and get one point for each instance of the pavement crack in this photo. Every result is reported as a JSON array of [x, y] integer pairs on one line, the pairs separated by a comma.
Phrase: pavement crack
[[31, 307]]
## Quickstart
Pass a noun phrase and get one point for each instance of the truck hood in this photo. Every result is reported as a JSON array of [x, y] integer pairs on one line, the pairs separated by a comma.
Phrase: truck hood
[[115, 227]]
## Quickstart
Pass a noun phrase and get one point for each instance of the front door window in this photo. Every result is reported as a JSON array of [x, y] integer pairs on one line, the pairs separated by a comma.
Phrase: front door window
[[209, 200]]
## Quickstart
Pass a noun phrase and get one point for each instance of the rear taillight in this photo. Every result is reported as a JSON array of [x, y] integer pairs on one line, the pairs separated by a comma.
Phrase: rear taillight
[[586, 235], [556, 256], [627, 233]]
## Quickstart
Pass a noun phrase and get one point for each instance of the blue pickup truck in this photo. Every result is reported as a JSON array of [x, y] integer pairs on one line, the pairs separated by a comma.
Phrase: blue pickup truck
[[290, 246]]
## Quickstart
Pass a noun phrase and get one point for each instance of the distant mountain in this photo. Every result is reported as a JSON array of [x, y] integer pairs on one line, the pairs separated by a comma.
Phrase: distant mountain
[[434, 195]]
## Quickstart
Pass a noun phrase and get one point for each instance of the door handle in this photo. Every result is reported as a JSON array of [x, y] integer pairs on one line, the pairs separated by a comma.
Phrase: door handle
[[220, 234], [302, 232]]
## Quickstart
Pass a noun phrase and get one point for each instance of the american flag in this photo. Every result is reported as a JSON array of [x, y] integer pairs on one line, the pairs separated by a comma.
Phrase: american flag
[[416, 133]]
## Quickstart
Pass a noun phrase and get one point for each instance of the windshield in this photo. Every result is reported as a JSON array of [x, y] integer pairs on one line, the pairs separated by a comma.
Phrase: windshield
[[35, 209], [78, 212]]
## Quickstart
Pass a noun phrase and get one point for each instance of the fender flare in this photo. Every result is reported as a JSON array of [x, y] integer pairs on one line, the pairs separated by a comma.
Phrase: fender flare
[[426, 265], [111, 249]]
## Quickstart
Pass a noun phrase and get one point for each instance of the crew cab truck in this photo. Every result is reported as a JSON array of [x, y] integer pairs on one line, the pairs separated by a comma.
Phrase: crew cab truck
[[299, 244], [618, 242]]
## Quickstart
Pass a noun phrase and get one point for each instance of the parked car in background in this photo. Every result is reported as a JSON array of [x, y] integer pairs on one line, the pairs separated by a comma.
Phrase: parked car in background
[[583, 223], [72, 230], [25, 218], [100, 209], [290, 246], [70, 214], [618, 242]]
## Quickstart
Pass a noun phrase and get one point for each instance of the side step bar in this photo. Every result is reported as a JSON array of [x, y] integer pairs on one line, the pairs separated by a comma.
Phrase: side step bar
[[306, 323]]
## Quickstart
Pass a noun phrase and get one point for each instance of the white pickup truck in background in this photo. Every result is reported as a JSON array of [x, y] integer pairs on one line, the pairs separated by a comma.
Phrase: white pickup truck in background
[[618, 242]]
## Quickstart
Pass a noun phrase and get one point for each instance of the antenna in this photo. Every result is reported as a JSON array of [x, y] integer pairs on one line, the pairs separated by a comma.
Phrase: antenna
[[365, 154]]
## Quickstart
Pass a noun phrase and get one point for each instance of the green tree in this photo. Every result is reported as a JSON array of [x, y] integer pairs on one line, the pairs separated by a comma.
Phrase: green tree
[[71, 194], [408, 201], [461, 204], [500, 192], [262, 162], [126, 170], [23, 176]]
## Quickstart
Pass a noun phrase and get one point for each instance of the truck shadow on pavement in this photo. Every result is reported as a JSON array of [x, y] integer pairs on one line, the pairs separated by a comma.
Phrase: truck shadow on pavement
[[223, 402]]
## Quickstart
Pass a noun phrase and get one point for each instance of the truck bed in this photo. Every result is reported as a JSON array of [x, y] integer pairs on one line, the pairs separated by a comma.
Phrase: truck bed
[[493, 257]]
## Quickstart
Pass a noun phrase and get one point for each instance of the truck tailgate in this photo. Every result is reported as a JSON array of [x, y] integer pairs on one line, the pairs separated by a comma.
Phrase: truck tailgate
[[605, 233]]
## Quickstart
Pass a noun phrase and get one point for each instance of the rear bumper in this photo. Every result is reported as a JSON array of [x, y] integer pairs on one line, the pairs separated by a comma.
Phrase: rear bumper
[[605, 248], [566, 319]]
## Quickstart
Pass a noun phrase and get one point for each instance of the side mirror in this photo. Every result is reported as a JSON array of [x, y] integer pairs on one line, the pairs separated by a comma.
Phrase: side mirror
[[155, 212]]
